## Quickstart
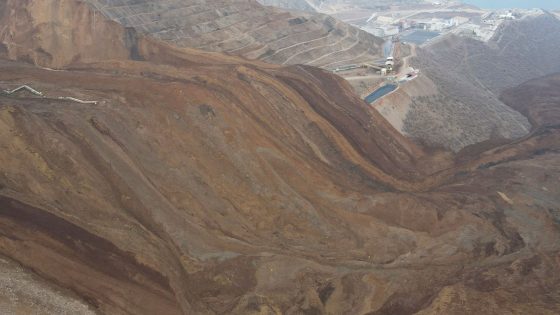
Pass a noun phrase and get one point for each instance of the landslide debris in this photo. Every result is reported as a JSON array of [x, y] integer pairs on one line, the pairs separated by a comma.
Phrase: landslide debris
[[208, 184]]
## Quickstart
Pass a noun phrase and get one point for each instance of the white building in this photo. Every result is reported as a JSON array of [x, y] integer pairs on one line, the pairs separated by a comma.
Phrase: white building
[[385, 19], [438, 26], [507, 16], [458, 20]]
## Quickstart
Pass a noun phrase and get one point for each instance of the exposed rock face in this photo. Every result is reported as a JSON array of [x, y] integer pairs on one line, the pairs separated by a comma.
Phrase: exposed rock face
[[469, 77], [248, 29], [57, 32], [208, 184]]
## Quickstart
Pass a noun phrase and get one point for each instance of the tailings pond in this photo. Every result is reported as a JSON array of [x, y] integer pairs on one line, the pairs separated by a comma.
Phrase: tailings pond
[[380, 92], [418, 37]]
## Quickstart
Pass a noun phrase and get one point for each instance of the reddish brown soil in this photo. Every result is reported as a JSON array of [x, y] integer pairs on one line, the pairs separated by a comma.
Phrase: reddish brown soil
[[208, 184]]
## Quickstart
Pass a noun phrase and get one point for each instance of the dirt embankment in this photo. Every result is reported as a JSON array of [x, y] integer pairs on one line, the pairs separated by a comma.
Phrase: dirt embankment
[[207, 184], [538, 99]]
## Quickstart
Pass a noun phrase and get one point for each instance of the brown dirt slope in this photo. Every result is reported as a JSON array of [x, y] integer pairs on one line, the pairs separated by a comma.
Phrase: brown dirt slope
[[538, 99], [206, 184]]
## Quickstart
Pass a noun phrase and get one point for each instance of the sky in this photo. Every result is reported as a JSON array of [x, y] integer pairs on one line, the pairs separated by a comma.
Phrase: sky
[[494, 4]]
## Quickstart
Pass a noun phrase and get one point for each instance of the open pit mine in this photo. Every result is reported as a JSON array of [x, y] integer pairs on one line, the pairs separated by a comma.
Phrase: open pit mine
[[146, 169], [245, 28]]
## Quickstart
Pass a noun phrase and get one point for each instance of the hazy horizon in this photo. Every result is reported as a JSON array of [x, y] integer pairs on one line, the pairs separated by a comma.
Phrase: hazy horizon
[[523, 4]]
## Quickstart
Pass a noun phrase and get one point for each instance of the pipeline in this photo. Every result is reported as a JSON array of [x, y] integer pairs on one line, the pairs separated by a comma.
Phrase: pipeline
[[24, 87], [32, 90], [77, 100]]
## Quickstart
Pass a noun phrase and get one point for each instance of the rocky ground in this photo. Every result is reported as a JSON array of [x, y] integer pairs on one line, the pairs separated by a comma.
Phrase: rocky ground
[[465, 78], [202, 183], [248, 29]]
